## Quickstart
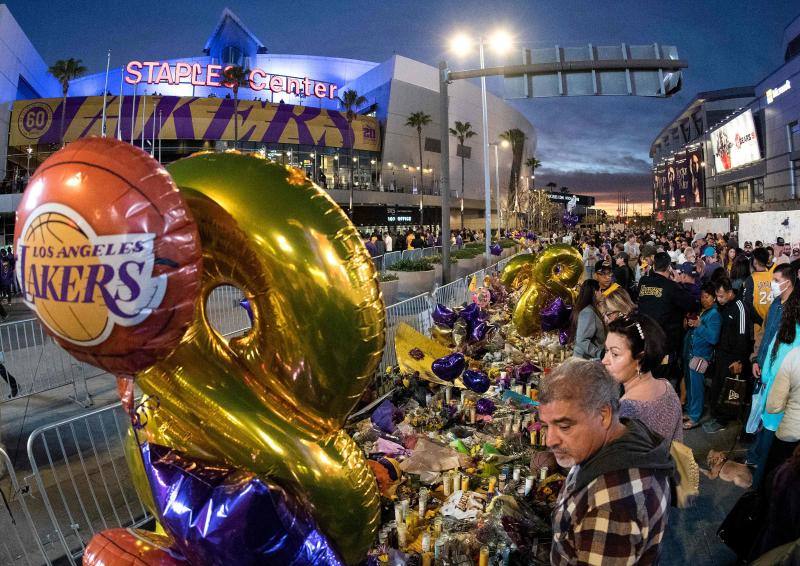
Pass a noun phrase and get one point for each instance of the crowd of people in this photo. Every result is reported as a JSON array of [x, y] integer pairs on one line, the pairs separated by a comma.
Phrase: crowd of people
[[693, 332], [381, 242]]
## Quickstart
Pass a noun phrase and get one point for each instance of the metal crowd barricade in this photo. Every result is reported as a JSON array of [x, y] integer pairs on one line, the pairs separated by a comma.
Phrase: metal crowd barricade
[[390, 258], [19, 543], [83, 478], [225, 312], [37, 363], [453, 294], [414, 254], [377, 261], [416, 312]]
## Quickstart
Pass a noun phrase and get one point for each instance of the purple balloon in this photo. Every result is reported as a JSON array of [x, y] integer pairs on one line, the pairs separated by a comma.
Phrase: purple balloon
[[484, 406], [478, 331], [496, 249], [555, 316], [449, 367], [444, 316], [470, 313], [245, 304], [476, 381], [223, 515]]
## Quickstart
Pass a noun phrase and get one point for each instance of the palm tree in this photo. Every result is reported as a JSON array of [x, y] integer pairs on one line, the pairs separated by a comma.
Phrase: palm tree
[[516, 138], [236, 77], [532, 163], [551, 185], [462, 131], [418, 120], [564, 190], [350, 101], [65, 70]]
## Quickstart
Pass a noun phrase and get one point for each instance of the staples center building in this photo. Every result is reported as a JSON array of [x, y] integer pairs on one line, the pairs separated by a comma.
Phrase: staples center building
[[288, 110]]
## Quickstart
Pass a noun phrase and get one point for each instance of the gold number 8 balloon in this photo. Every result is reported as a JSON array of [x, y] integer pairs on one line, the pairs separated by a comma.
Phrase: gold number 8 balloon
[[552, 275], [237, 446]]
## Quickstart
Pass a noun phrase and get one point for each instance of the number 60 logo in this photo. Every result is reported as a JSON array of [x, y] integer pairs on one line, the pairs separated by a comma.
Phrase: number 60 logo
[[34, 120]]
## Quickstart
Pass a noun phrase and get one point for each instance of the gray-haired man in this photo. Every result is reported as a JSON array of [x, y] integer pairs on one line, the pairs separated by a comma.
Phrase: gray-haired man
[[613, 506]]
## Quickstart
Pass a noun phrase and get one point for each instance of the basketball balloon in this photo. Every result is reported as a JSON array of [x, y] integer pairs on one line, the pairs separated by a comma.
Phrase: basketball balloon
[[108, 254]]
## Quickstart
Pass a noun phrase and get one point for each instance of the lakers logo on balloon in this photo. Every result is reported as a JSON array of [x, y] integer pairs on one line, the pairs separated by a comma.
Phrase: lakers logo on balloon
[[81, 284], [551, 275]]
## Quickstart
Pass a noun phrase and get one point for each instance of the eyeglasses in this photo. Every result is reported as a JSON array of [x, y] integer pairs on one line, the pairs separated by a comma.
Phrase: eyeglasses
[[610, 314]]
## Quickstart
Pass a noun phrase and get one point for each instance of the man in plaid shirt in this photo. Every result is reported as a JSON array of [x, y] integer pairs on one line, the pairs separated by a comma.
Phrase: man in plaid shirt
[[614, 505]]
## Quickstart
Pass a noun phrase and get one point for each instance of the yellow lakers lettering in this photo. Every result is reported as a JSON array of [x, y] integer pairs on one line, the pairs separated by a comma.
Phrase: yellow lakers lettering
[[650, 291]]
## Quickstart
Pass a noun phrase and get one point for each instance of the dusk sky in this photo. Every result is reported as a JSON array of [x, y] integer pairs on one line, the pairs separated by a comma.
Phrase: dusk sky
[[592, 145]]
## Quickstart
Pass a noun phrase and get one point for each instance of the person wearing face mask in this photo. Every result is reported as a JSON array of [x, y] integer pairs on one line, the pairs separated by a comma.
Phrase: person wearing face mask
[[613, 505], [634, 347], [757, 290], [784, 279], [701, 337]]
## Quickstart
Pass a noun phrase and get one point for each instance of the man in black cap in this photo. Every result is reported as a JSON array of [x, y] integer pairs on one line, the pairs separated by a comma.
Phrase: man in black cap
[[748, 249], [666, 302], [604, 275], [686, 277]]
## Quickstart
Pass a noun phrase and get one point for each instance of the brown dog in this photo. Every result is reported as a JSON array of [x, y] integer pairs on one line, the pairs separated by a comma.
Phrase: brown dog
[[734, 472]]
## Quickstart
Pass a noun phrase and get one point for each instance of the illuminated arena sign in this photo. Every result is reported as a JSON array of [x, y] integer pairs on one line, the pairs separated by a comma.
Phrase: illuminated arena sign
[[162, 72]]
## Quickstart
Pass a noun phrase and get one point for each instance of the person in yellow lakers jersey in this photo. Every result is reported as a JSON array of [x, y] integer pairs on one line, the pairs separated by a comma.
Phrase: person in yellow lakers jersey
[[756, 290]]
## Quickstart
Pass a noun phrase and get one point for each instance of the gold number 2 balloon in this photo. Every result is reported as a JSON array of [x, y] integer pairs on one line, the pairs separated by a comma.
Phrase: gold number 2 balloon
[[274, 401], [554, 273]]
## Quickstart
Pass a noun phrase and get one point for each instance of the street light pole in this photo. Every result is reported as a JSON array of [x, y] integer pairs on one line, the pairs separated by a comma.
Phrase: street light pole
[[445, 167], [486, 176]]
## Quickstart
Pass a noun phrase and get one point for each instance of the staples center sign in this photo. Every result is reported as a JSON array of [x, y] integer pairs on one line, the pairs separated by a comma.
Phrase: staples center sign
[[161, 72]]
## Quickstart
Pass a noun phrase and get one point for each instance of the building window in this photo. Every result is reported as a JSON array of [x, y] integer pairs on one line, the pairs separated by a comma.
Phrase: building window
[[758, 189], [744, 192], [794, 136], [730, 195], [718, 197]]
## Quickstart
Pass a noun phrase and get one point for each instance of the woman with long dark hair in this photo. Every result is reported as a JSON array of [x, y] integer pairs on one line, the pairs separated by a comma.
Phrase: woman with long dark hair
[[780, 338], [587, 324], [740, 271], [784, 395]]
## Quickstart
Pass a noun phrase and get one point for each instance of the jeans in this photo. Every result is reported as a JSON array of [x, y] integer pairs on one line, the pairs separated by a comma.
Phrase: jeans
[[590, 272], [758, 454], [694, 395]]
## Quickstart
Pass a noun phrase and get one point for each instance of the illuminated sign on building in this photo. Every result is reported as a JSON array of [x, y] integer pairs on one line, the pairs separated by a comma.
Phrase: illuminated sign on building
[[162, 72], [773, 93]]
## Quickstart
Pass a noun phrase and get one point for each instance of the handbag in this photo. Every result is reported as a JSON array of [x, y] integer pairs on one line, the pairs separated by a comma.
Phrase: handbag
[[742, 525], [732, 396], [698, 364]]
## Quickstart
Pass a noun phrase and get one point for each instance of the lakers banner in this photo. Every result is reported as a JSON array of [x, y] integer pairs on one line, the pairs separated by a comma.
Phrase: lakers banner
[[188, 118]]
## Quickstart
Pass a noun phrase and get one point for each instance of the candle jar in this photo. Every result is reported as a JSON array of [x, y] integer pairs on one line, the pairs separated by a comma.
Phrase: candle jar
[[402, 535], [465, 483], [447, 484], [484, 556], [492, 484], [472, 414], [517, 472], [528, 484], [456, 481]]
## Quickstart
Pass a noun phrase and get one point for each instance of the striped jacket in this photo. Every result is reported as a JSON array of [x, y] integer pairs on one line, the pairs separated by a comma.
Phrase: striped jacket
[[619, 518], [736, 333]]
